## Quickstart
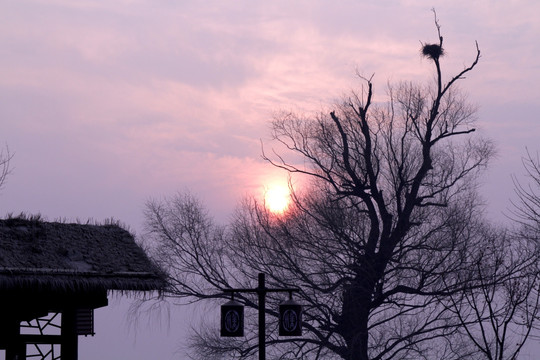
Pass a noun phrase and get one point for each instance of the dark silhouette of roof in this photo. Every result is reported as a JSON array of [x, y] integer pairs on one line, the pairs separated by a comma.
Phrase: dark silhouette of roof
[[56, 256]]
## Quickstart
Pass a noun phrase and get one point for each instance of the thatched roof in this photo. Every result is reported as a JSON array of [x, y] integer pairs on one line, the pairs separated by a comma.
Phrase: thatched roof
[[53, 256]]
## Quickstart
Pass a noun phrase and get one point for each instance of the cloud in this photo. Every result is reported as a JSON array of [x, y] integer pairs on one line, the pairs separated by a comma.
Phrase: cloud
[[157, 84]]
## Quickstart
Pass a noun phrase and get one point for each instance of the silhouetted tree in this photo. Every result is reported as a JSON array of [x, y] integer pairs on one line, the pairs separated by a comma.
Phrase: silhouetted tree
[[527, 208], [387, 241], [500, 318], [499, 315], [5, 158]]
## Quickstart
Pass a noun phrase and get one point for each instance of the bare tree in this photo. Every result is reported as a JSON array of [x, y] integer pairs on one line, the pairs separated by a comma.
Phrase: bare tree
[[526, 210], [5, 158], [387, 243], [499, 315]]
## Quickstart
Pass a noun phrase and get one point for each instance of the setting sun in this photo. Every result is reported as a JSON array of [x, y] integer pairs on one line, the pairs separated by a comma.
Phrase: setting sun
[[277, 198]]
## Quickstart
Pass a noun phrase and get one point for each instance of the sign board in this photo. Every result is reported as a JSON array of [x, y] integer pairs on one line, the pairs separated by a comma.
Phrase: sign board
[[232, 319], [290, 318]]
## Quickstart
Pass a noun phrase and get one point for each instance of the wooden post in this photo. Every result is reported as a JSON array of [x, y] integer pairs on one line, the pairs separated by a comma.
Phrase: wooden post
[[69, 346], [15, 347]]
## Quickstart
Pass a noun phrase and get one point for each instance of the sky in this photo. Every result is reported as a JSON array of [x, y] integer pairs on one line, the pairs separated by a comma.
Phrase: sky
[[107, 104]]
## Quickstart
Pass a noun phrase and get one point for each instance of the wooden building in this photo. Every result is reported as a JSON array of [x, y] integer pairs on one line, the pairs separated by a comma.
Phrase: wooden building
[[52, 277]]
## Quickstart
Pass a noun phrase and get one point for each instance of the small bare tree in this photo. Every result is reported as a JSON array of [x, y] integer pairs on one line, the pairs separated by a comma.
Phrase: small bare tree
[[5, 158], [527, 209], [499, 315]]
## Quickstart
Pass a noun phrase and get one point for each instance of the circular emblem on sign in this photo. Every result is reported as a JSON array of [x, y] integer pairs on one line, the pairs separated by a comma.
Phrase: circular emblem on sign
[[289, 320], [232, 321]]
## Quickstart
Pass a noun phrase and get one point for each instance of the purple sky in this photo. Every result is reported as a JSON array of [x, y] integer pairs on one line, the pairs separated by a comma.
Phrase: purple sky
[[107, 104]]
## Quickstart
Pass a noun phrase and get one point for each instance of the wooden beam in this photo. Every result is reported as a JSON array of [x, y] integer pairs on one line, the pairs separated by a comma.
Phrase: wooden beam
[[41, 339]]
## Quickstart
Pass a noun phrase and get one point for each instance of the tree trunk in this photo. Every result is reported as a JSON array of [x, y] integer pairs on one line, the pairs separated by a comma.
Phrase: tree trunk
[[354, 319]]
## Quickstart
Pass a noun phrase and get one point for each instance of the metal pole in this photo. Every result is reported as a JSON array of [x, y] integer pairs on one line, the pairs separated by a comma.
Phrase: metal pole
[[261, 291]]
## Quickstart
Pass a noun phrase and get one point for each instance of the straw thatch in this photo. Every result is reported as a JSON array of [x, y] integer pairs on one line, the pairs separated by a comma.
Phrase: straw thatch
[[52, 256]]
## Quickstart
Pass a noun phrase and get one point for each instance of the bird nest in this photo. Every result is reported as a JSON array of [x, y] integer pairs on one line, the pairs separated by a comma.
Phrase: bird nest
[[433, 51]]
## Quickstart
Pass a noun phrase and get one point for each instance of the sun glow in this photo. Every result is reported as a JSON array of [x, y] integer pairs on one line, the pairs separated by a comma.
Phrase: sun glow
[[277, 198]]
